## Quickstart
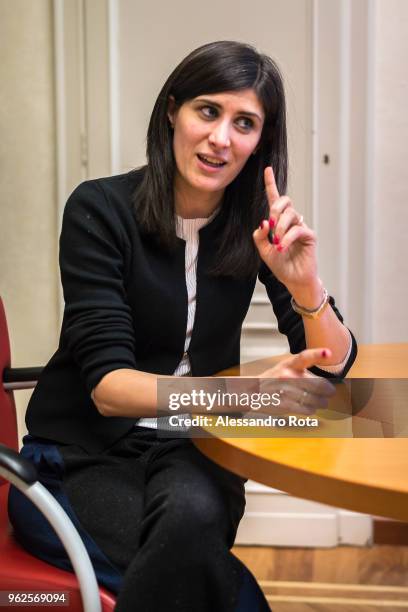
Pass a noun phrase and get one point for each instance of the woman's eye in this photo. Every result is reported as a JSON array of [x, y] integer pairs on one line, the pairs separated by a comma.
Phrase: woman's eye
[[245, 123], [209, 112]]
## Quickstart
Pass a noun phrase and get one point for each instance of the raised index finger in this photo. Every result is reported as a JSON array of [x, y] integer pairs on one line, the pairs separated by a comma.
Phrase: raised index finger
[[270, 185]]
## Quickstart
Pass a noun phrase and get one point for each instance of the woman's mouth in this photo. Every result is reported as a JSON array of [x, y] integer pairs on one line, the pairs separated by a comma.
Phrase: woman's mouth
[[211, 162]]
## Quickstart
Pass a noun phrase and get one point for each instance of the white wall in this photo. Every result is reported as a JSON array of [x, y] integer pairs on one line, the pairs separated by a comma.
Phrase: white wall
[[390, 175], [360, 198], [28, 231]]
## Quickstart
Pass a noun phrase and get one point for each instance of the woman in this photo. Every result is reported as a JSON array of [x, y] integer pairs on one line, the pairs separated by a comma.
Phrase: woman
[[158, 268]]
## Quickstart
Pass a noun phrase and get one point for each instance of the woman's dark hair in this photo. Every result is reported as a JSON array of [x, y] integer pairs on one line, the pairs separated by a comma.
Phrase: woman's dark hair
[[213, 68]]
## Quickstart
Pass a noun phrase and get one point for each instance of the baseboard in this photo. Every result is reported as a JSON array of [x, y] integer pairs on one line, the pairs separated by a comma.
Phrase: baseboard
[[274, 518], [288, 529]]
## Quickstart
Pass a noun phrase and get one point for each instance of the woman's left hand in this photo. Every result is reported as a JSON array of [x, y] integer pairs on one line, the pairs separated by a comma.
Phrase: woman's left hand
[[292, 256]]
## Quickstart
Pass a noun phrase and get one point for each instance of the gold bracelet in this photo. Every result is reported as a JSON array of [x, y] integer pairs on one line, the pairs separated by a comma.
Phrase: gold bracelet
[[311, 313]]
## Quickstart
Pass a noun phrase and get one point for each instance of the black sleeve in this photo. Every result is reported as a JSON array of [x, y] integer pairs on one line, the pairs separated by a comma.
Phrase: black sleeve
[[290, 322], [98, 326]]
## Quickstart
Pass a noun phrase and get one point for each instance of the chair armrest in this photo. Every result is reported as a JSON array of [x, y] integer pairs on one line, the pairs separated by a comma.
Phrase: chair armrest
[[20, 378], [23, 476], [17, 465]]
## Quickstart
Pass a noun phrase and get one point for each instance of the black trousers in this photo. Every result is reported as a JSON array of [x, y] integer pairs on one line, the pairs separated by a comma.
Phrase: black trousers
[[166, 518]]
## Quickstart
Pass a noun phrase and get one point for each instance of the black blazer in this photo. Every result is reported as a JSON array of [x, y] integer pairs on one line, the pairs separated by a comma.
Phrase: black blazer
[[126, 307]]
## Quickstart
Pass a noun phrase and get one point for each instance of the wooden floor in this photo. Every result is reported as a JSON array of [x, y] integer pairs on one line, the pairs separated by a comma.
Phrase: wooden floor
[[343, 579]]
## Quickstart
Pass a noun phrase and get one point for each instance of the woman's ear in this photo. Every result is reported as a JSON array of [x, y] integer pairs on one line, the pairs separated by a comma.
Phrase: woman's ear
[[171, 111]]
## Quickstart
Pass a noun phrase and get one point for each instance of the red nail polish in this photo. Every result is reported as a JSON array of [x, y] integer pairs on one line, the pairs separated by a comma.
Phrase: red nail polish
[[279, 248], [272, 222], [276, 239], [324, 353]]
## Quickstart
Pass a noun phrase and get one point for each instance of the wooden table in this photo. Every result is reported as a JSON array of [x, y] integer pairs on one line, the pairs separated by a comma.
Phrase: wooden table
[[368, 475]]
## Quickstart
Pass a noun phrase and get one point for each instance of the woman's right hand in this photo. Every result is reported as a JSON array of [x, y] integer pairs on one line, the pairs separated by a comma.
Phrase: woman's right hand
[[300, 391]]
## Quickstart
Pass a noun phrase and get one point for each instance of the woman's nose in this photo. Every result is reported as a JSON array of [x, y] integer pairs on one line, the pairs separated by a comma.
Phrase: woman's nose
[[220, 135]]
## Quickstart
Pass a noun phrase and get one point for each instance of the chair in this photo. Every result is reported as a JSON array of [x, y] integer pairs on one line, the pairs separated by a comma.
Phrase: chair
[[20, 571]]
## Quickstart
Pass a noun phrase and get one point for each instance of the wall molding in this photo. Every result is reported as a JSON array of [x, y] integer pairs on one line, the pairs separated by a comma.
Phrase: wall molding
[[343, 131], [84, 53]]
